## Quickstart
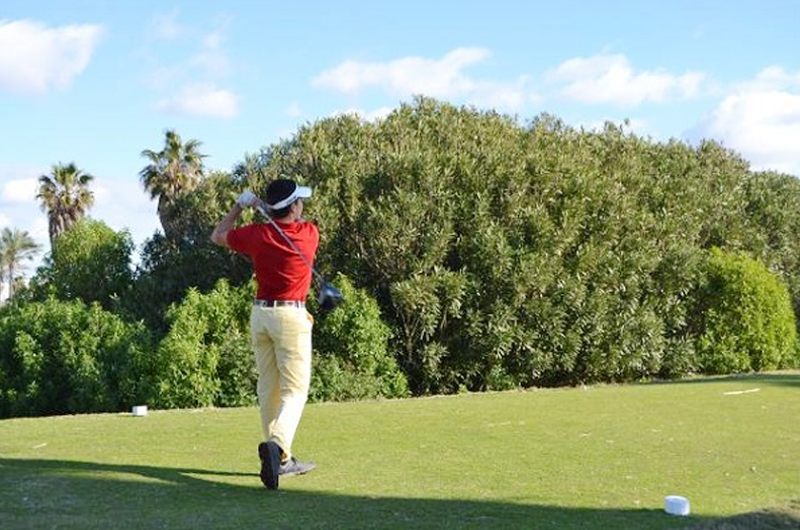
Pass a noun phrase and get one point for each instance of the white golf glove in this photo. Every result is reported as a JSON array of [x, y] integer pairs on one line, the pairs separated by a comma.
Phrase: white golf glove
[[247, 199]]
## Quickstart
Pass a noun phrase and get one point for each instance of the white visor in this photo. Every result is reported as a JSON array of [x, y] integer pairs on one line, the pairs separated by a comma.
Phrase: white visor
[[300, 192]]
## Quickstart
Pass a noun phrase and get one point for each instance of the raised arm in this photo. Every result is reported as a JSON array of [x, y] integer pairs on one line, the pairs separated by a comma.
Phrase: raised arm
[[220, 233]]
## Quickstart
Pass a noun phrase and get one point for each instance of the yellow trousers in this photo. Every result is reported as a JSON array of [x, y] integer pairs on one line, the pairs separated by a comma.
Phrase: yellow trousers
[[281, 342]]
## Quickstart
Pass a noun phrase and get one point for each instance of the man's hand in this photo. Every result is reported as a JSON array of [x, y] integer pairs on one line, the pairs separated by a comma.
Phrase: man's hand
[[247, 199]]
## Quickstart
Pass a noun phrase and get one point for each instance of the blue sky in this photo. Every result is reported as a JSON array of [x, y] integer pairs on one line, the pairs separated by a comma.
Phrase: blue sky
[[96, 82]]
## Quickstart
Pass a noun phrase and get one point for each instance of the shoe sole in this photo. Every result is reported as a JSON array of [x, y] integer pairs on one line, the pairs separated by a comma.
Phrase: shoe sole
[[270, 455]]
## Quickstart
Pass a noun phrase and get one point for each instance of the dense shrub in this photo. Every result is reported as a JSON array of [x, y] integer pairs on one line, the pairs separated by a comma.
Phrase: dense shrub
[[63, 357], [205, 358], [746, 322], [423, 304], [773, 205], [506, 255], [352, 359], [171, 266], [89, 261], [170, 269]]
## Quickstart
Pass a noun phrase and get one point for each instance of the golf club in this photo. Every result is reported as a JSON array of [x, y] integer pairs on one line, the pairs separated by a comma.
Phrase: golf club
[[329, 296]]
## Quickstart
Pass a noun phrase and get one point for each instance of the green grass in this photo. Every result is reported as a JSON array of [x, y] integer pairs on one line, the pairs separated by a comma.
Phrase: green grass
[[585, 458]]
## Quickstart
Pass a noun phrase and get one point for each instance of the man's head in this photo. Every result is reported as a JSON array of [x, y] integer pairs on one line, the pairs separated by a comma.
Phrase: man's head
[[282, 194]]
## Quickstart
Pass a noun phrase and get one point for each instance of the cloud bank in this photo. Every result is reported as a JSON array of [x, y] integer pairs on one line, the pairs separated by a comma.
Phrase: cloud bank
[[36, 59]]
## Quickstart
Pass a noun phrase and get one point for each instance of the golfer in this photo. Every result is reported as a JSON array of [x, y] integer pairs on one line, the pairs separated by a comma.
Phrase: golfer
[[280, 326]]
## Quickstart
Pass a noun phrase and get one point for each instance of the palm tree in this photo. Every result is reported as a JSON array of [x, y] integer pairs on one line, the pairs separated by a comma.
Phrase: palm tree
[[174, 170], [65, 196], [16, 246]]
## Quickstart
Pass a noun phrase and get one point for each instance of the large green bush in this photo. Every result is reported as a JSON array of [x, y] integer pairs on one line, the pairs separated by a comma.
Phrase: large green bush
[[63, 357], [89, 261], [507, 255], [352, 356], [205, 358], [773, 205], [746, 320]]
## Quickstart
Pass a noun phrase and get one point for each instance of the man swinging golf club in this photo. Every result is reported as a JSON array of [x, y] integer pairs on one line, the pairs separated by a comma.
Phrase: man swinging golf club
[[281, 252]]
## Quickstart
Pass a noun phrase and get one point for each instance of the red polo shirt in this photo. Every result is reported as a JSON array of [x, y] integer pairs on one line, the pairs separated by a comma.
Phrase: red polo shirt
[[280, 273]]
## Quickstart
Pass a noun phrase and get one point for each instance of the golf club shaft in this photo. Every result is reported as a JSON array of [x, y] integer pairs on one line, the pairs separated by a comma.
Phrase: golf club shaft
[[270, 220]]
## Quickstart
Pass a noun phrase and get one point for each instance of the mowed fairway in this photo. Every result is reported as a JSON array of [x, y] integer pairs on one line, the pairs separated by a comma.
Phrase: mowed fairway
[[581, 458]]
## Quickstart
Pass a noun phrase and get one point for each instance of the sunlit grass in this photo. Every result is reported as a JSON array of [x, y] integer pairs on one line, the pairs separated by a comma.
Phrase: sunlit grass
[[597, 457]]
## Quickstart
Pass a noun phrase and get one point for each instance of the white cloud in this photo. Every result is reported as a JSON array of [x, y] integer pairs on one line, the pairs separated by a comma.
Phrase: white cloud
[[500, 96], [761, 120], [371, 116], [612, 79], [202, 100], [101, 193], [439, 78], [124, 205], [19, 191], [405, 76], [213, 62], [199, 72], [162, 77], [5, 221], [775, 76], [36, 59], [166, 26], [40, 231], [294, 111], [377, 114], [212, 57]]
